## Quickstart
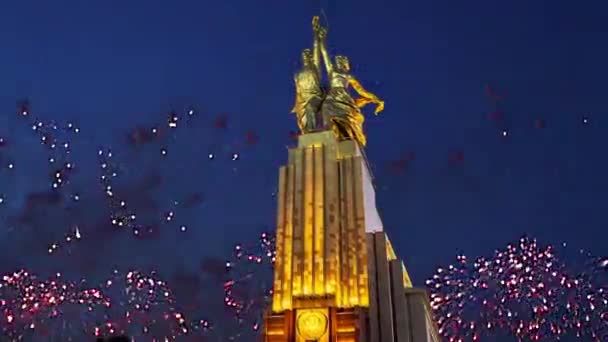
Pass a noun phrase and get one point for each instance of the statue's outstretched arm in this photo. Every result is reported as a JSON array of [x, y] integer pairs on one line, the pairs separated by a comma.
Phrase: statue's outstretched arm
[[361, 91], [366, 96]]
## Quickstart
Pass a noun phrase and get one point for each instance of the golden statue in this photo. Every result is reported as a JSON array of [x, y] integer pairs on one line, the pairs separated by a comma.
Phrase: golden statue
[[339, 110], [309, 93]]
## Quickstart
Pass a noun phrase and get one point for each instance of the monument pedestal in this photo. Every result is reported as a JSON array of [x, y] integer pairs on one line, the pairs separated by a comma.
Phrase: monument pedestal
[[336, 278]]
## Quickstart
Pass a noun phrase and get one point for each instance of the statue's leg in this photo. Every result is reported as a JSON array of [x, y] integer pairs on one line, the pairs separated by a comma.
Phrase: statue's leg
[[318, 103], [302, 122], [326, 116], [312, 110], [335, 127], [340, 128], [310, 120]]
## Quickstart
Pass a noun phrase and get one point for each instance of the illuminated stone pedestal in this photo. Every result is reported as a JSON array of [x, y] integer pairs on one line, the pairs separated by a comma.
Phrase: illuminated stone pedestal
[[336, 278]]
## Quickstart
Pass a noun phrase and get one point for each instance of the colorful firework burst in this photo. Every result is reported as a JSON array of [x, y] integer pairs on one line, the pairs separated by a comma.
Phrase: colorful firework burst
[[48, 223], [524, 290], [131, 303], [248, 287]]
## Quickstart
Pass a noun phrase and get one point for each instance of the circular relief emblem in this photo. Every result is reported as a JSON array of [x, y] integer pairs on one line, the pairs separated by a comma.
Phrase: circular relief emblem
[[312, 325]]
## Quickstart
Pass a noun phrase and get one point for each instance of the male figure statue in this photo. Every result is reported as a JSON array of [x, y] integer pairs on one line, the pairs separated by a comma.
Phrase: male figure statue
[[309, 94]]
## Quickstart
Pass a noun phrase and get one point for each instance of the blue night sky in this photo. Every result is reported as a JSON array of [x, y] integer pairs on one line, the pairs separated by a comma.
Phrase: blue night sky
[[113, 65]]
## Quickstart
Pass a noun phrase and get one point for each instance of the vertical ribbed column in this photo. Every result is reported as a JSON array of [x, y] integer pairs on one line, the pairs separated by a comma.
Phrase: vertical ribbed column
[[362, 326], [359, 227], [400, 322], [417, 315], [319, 220], [332, 223], [283, 275], [279, 264], [298, 218], [343, 238], [374, 327], [288, 238], [385, 309], [308, 219], [351, 229]]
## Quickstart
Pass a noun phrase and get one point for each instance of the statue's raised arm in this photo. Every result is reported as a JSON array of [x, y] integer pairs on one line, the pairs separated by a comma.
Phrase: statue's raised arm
[[320, 39], [316, 51]]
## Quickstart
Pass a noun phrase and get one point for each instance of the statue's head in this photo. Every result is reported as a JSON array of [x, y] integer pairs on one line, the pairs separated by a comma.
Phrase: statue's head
[[342, 63], [306, 57]]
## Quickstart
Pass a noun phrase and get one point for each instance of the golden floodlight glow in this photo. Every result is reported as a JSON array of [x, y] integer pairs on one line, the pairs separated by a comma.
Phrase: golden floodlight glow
[[320, 192], [390, 252], [407, 282]]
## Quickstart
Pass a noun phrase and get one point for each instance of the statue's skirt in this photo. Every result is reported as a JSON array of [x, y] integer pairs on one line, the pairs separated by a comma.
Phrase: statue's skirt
[[345, 118]]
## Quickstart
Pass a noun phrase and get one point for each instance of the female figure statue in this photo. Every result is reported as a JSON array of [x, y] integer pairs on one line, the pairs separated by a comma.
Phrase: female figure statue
[[339, 110]]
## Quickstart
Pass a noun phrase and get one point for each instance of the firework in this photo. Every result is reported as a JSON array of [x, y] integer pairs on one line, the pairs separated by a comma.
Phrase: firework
[[50, 221], [248, 289], [58, 140], [146, 223], [29, 305], [131, 303], [524, 290]]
